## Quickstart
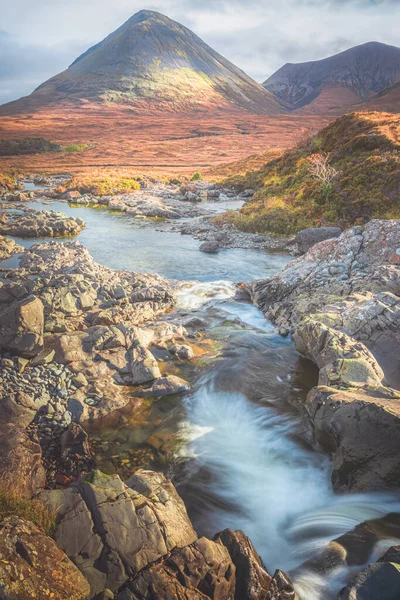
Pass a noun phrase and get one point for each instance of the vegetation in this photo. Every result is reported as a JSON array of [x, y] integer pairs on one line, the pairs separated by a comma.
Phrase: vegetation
[[103, 186], [345, 175], [197, 177], [75, 148], [27, 145], [13, 504], [7, 182]]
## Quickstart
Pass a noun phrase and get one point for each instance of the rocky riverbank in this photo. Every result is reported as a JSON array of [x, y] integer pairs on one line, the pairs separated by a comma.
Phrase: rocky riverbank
[[341, 302], [44, 223], [76, 342]]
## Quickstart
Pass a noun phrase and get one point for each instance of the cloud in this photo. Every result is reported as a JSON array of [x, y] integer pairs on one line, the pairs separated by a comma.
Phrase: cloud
[[259, 35]]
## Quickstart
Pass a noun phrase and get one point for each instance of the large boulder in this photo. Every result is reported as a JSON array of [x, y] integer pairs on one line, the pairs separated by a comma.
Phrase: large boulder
[[360, 428], [307, 238], [112, 530], [379, 580], [199, 571], [32, 566], [21, 327]]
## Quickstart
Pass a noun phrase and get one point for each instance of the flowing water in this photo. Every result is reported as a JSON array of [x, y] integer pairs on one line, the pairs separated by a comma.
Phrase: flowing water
[[236, 446]]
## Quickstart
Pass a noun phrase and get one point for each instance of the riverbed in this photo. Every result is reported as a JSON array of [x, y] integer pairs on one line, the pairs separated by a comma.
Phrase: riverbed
[[236, 446]]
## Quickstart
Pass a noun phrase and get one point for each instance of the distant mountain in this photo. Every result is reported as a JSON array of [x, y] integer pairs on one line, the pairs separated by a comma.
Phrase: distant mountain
[[153, 63], [338, 81], [386, 101]]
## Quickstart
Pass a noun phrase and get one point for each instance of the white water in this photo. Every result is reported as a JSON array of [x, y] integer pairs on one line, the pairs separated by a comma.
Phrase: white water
[[250, 472]]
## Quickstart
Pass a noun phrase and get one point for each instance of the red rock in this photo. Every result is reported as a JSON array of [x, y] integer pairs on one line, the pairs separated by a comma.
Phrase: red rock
[[61, 479]]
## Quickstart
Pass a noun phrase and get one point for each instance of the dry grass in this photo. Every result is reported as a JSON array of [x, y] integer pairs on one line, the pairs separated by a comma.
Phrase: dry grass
[[13, 504]]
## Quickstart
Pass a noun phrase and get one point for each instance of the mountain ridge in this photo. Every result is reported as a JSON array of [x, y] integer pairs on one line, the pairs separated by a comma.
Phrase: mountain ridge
[[337, 81]]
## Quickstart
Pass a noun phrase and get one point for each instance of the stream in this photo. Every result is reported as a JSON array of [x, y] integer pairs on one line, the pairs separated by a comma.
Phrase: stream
[[236, 447]]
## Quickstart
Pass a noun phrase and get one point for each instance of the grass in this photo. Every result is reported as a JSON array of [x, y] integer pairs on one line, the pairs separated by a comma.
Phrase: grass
[[103, 186], [363, 148], [75, 148], [12, 504], [196, 177]]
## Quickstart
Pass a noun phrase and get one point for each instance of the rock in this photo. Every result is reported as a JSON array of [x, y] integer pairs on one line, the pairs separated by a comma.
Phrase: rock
[[144, 367], [32, 566], [166, 386], [8, 247], [307, 238], [80, 380], [21, 327], [359, 426], [72, 195], [253, 582], [21, 466], [44, 357], [380, 580], [46, 223], [210, 247], [111, 531], [181, 351], [202, 570]]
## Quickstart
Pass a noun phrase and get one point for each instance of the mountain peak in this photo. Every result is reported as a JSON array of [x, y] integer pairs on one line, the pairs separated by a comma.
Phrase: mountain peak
[[339, 80], [158, 64]]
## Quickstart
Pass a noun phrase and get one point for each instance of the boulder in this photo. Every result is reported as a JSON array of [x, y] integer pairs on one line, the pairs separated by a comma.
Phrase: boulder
[[378, 581], [21, 468], [199, 571], [143, 365], [307, 238], [210, 247], [112, 530], [32, 566], [360, 428], [21, 327], [166, 386], [253, 582]]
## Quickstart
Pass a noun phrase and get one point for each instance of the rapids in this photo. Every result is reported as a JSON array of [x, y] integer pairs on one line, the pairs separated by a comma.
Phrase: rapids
[[241, 456]]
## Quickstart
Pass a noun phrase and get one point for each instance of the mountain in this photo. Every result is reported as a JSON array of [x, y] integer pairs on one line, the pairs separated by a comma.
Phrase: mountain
[[338, 81], [153, 63], [386, 101]]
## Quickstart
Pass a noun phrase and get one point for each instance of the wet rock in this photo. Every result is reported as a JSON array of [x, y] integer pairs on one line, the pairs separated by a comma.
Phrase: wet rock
[[181, 351], [21, 327], [380, 580], [210, 247], [166, 386], [307, 238], [253, 582], [32, 566]]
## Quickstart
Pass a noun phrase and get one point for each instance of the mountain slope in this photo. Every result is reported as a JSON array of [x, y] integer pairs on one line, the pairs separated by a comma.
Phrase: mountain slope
[[386, 101], [338, 81], [156, 63], [363, 151]]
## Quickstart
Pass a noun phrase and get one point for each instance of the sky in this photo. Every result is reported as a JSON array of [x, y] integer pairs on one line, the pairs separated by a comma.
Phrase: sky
[[40, 38]]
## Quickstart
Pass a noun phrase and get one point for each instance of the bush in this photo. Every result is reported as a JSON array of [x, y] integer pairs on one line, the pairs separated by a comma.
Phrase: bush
[[75, 148], [16, 147], [106, 186], [196, 177], [12, 504]]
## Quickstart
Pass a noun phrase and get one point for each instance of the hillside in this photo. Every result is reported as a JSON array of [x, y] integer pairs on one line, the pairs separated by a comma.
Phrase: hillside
[[338, 81], [152, 63], [386, 101], [363, 152]]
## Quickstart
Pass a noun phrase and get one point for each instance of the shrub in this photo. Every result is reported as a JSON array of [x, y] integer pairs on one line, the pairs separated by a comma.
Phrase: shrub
[[106, 186], [75, 148], [196, 176], [19, 146]]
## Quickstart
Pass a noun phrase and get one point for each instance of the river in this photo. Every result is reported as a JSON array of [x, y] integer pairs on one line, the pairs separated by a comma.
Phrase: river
[[238, 449]]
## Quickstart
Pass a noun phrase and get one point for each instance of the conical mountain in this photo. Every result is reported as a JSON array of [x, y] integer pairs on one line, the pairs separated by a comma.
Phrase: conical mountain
[[338, 81], [156, 63]]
